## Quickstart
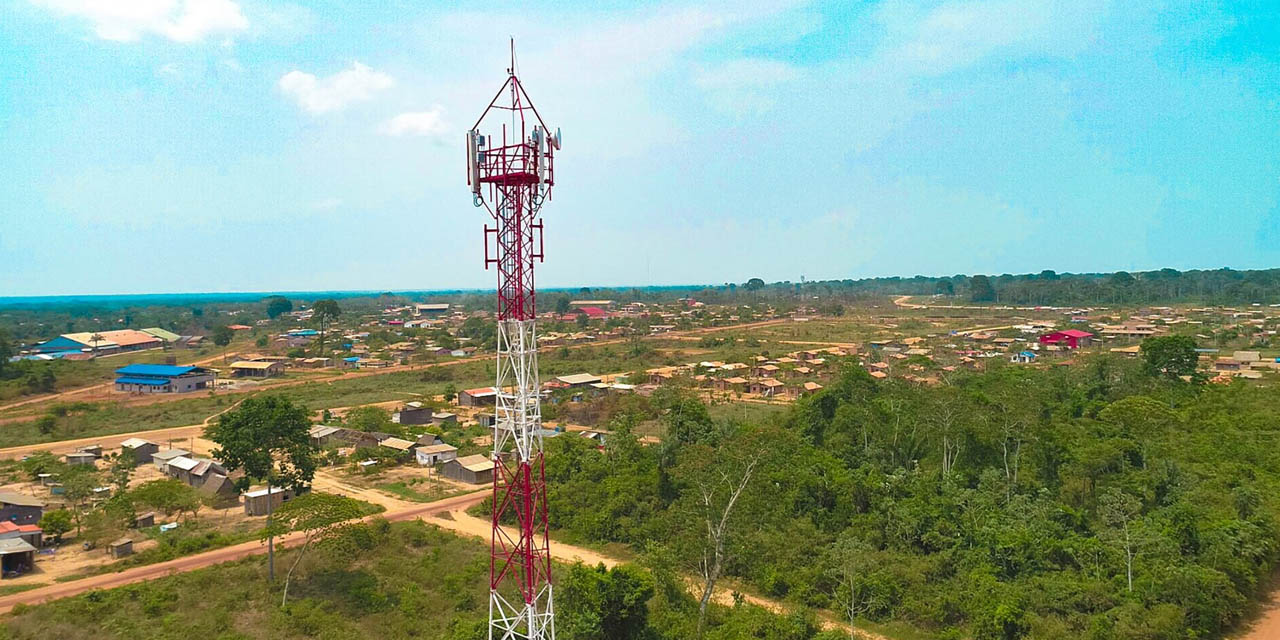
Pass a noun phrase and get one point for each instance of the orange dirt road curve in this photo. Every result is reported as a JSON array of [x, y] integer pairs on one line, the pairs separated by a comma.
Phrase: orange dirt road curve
[[217, 556]]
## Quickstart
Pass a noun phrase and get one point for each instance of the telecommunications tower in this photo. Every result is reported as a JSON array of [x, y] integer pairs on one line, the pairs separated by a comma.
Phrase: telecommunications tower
[[511, 172]]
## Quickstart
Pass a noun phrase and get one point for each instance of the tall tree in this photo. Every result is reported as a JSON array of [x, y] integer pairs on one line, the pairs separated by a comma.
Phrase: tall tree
[[321, 517], [980, 289], [268, 438], [278, 306], [1120, 512], [6, 352], [721, 497], [222, 337], [851, 560], [325, 311], [604, 604], [1170, 356], [168, 496]]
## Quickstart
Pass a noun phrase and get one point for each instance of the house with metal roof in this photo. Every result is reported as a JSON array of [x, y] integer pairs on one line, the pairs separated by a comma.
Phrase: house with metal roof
[[435, 454], [20, 508], [475, 469], [482, 396], [17, 556], [167, 336], [244, 368], [161, 458], [162, 378], [578, 379]]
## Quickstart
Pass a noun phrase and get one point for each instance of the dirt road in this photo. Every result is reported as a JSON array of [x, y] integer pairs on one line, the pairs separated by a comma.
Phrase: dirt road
[[458, 521], [217, 556], [449, 513], [1267, 626]]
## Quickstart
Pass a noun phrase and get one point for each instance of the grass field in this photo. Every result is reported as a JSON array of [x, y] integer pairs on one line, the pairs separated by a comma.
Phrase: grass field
[[421, 490], [404, 580]]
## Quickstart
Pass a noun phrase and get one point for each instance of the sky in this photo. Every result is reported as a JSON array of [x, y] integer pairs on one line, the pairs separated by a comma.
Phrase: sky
[[236, 145]]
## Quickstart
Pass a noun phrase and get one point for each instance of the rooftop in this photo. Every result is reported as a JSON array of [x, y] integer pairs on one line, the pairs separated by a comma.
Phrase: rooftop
[[163, 370]]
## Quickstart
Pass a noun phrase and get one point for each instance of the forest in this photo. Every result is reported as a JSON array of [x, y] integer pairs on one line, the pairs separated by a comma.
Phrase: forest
[[1163, 286], [1098, 501]]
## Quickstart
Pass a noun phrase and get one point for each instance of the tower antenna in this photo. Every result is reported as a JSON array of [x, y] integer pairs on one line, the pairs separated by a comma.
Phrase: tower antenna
[[511, 177]]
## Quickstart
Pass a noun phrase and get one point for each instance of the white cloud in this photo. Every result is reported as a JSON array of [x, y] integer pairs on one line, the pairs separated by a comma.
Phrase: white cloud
[[335, 93], [177, 20], [745, 85], [417, 123], [326, 204]]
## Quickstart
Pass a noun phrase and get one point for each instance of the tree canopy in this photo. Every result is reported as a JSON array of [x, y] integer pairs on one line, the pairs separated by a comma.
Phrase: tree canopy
[[268, 437]]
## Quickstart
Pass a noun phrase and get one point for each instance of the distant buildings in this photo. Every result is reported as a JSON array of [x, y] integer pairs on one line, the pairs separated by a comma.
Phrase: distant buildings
[[1071, 338], [102, 342]]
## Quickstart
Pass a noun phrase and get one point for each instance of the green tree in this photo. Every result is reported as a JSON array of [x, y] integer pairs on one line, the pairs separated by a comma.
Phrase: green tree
[[78, 483], [278, 306], [56, 523], [41, 462], [371, 419], [321, 517], [120, 468], [981, 290], [754, 284], [6, 352], [720, 501], [325, 311], [1120, 513], [450, 392], [1170, 356], [168, 496], [222, 336], [268, 438], [46, 424], [562, 304], [604, 604]]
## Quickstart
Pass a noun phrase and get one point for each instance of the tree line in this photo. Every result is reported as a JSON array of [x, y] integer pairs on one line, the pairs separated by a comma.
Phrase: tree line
[[1108, 500]]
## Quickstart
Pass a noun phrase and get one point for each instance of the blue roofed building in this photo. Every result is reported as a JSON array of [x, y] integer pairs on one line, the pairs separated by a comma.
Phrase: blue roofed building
[[162, 378]]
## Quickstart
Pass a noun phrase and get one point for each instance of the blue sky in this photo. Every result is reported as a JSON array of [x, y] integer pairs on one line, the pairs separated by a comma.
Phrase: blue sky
[[230, 145]]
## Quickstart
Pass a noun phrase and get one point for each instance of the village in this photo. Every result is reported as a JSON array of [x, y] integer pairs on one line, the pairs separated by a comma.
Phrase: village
[[393, 453]]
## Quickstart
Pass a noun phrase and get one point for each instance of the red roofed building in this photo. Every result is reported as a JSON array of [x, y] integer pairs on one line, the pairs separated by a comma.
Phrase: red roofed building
[[33, 534], [479, 397], [1071, 338], [595, 313]]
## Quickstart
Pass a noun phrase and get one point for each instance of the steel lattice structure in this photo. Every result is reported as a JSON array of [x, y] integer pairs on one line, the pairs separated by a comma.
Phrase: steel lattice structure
[[511, 177]]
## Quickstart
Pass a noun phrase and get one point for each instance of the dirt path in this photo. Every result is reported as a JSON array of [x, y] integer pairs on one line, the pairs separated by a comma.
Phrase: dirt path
[[449, 513], [217, 556], [1267, 625], [458, 521]]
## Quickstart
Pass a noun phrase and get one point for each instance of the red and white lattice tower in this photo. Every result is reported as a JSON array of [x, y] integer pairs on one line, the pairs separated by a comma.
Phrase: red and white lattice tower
[[511, 173]]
